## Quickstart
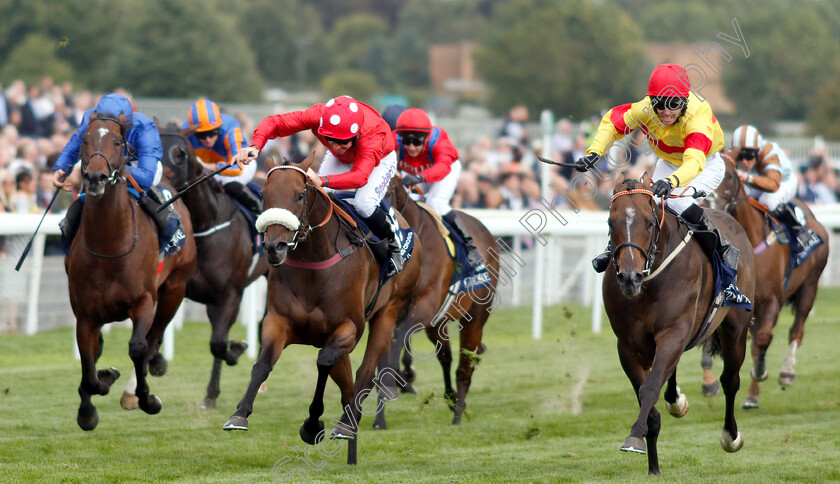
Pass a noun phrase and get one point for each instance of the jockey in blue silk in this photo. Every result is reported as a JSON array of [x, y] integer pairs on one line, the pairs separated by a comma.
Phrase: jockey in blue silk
[[143, 151], [216, 140]]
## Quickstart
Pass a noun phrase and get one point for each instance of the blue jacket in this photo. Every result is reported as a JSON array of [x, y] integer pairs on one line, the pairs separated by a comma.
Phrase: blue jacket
[[230, 141], [144, 148]]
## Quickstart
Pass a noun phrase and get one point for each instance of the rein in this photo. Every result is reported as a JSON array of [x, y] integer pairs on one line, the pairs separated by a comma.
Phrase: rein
[[97, 254]]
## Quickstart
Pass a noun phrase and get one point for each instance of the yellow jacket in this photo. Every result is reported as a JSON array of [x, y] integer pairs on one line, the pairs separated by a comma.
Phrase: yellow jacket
[[685, 144]]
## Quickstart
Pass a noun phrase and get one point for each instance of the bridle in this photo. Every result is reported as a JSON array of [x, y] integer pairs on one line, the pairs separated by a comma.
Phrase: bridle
[[114, 170], [732, 200], [650, 253], [303, 229]]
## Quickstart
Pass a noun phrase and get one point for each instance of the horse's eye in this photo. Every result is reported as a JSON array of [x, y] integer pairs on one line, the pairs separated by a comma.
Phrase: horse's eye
[[300, 196]]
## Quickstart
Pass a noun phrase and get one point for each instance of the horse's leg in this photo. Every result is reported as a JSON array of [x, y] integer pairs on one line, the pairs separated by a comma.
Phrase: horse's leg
[[803, 301], [675, 401], [128, 400], [408, 372], [444, 356], [340, 343], [733, 342], [222, 316], [471, 332], [711, 386], [89, 340], [275, 337], [142, 316], [342, 374], [765, 318]]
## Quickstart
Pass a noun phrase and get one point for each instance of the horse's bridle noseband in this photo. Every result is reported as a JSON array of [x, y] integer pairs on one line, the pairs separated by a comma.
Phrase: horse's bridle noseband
[[114, 176], [304, 229], [650, 253]]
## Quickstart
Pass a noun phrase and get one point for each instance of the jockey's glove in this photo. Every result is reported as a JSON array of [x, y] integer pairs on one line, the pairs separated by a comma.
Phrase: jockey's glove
[[662, 188], [586, 162], [410, 180]]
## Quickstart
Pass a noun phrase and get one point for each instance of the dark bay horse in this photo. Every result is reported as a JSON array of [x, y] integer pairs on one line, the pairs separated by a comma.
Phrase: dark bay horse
[[656, 294], [471, 308], [319, 286], [226, 260], [113, 271], [771, 269]]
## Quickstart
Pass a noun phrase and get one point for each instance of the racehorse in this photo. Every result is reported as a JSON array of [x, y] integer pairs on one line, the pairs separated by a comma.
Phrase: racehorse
[[226, 260], [471, 308], [322, 288], [113, 270], [657, 294], [776, 283]]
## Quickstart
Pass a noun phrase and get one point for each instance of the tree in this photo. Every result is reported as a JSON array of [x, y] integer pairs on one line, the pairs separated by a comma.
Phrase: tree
[[353, 44], [558, 54], [33, 59]]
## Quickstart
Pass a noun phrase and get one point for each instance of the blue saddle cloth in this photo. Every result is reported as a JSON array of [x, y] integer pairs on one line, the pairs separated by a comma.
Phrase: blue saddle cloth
[[465, 278], [249, 216], [798, 253], [169, 240], [404, 236]]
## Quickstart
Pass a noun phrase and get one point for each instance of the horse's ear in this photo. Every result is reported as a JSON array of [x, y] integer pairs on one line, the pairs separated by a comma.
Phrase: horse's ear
[[270, 162], [307, 162], [646, 179]]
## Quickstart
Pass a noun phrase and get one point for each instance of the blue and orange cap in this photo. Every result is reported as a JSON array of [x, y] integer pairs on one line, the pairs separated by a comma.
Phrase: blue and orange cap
[[205, 116]]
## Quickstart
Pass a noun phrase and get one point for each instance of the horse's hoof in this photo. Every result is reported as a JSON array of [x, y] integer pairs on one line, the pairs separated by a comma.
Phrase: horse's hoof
[[235, 350], [750, 403], [128, 401], [308, 436], [410, 374], [679, 408], [236, 423], [379, 424], [263, 388], [757, 377], [208, 403], [342, 432], [408, 388], [481, 349], [388, 393], [88, 420], [158, 365], [108, 377], [152, 406], [729, 444], [634, 444], [456, 420], [711, 389], [786, 379]]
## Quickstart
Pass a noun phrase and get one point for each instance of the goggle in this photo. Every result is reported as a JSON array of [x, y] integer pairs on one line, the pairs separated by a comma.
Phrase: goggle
[[748, 154], [207, 134], [341, 142], [413, 139], [668, 103]]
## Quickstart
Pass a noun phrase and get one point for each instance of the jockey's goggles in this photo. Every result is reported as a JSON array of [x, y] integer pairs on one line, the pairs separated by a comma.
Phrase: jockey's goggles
[[207, 134], [413, 139], [662, 103], [340, 142], [748, 154]]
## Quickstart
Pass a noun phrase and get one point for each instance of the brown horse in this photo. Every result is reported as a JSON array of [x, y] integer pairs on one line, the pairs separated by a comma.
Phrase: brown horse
[[226, 260], [471, 308], [113, 271], [657, 294], [771, 268], [322, 288]]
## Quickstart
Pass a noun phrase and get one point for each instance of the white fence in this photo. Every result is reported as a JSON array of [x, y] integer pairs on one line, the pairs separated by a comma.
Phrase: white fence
[[547, 264]]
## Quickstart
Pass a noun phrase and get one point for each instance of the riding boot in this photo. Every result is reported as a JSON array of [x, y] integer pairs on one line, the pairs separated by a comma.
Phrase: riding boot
[[785, 212], [383, 228], [150, 201], [245, 196], [70, 224], [602, 260], [696, 216], [473, 256]]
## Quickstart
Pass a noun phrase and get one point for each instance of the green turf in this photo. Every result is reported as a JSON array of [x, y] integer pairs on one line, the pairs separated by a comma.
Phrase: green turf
[[554, 410]]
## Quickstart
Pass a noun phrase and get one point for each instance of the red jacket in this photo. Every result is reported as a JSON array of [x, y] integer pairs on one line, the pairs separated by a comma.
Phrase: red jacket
[[375, 141], [435, 163]]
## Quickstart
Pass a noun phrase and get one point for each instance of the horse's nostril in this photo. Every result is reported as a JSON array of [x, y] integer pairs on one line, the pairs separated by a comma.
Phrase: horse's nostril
[[637, 279]]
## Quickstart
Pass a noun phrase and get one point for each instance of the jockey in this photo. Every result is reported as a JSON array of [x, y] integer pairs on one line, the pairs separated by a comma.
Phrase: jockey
[[686, 137], [431, 161], [143, 149], [360, 155], [216, 140], [768, 176]]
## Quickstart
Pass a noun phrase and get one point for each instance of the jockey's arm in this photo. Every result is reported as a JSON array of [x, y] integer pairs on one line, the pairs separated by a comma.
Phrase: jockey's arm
[[769, 181]]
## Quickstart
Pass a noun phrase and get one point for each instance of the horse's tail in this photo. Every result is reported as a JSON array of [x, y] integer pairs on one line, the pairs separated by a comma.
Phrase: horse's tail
[[712, 345]]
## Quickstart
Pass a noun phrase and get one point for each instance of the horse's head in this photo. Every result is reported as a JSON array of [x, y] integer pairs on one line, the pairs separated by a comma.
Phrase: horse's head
[[177, 155], [633, 233], [286, 203], [731, 189], [103, 152], [396, 195]]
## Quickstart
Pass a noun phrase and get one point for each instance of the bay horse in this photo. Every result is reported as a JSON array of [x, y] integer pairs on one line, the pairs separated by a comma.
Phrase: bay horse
[[471, 308], [226, 261], [113, 269], [772, 291], [657, 293], [322, 288]]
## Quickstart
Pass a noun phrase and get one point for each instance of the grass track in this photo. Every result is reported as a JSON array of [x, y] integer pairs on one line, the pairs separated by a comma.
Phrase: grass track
[[553, 410]]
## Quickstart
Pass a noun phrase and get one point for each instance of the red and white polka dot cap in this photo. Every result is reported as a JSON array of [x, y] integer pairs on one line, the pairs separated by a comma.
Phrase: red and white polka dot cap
[[342, 119]]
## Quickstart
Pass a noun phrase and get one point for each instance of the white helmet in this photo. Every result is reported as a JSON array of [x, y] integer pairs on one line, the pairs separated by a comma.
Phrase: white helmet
[[748, 137]]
